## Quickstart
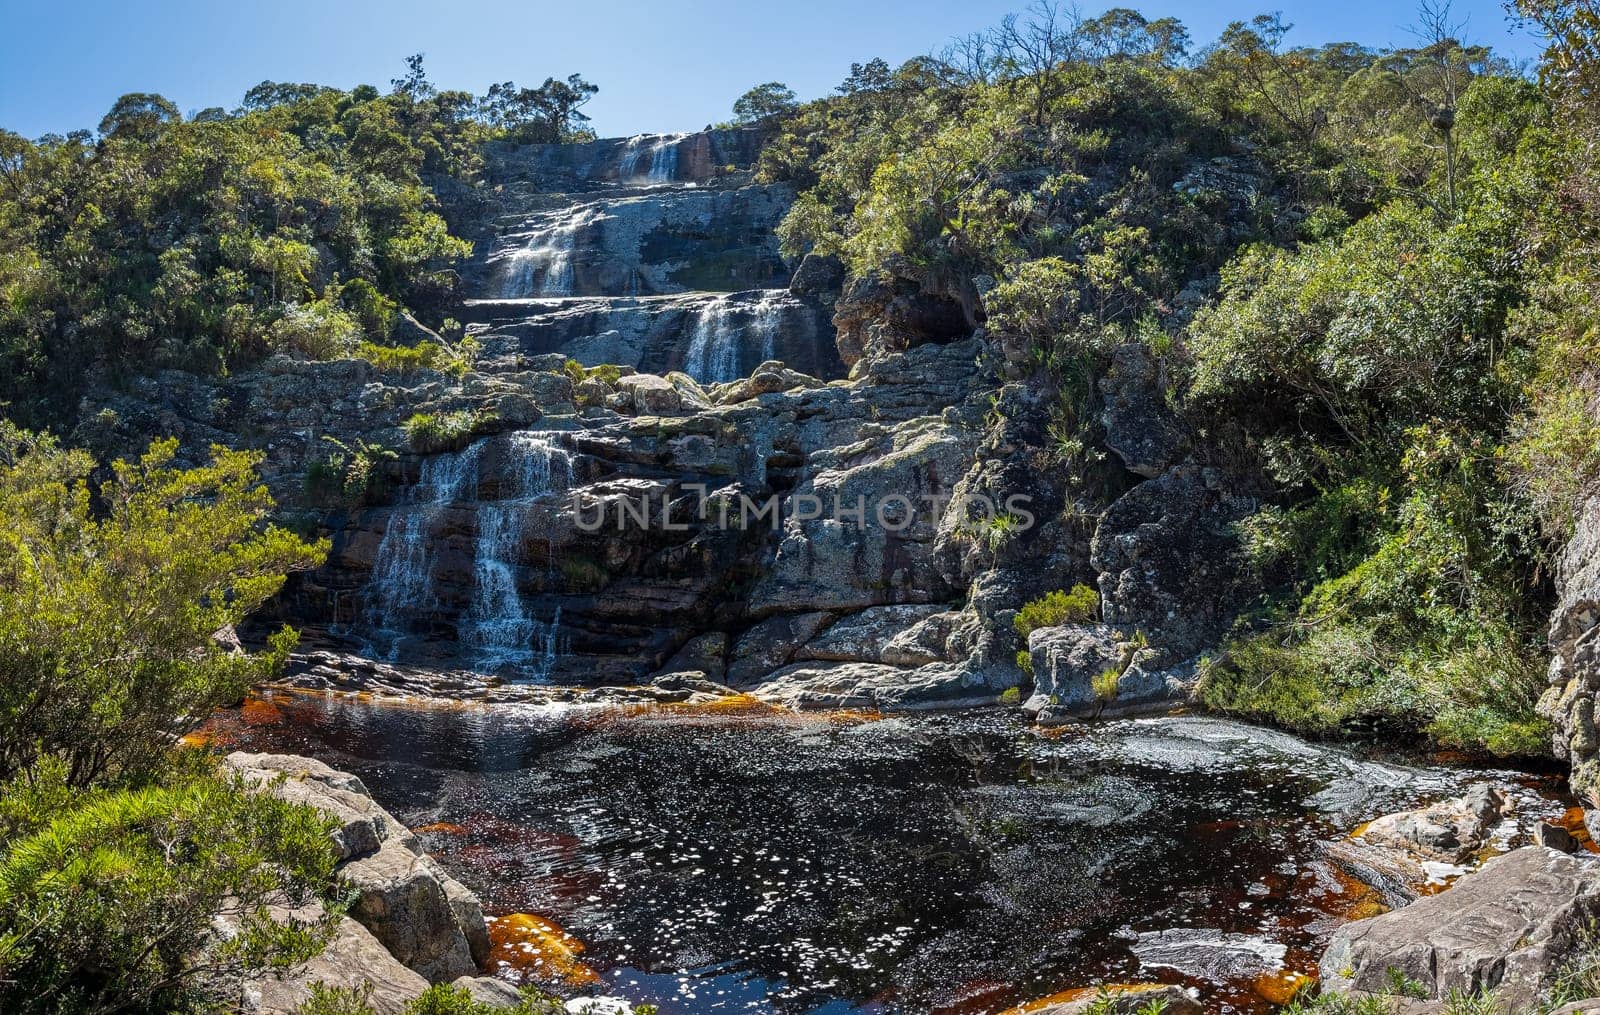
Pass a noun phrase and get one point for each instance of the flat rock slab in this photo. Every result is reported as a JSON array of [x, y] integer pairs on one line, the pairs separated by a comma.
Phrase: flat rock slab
[[1507, 928]]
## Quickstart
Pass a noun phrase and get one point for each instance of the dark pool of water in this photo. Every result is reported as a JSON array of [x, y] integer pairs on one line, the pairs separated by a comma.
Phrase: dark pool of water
[[746, 861]]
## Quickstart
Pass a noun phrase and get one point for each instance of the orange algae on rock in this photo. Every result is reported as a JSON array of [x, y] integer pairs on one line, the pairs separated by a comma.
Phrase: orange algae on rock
[[1281, 986], [538, 950]]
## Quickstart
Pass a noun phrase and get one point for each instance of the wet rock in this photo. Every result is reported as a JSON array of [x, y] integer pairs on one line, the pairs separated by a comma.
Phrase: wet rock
[[351, 960], [1393, 873], [1139, 424], [1449, 831], [1507, 927], [1209, 954], [1554, 836]]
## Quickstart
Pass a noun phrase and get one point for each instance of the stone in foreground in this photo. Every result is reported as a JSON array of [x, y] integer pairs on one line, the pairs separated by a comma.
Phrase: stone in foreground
[[1506, 928]]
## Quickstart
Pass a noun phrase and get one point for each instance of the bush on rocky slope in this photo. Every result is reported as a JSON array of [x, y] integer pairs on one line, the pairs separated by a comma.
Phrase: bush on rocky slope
[[116, 850]]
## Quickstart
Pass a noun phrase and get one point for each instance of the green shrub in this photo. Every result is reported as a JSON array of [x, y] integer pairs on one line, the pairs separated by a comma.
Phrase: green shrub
[[1025, 661], [1105, 683], [108, 905], [108, 615], [427, 433], [439, 999], [425, 355], [350, 475], [1011, 696], [1077, 606]]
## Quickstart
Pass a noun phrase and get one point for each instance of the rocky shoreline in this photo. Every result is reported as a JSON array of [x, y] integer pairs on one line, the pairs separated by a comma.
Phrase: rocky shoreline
[[409, 923]]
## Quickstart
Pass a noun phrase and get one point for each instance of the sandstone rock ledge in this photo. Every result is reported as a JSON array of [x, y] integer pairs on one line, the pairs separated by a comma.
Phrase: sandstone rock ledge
[[1507, 929], [411, 924]]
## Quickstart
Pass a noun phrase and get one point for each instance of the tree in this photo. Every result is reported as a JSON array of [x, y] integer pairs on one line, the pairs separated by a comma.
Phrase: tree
[[872, 76], [414, 83], [109, 612], [139, 115], [764, 104]]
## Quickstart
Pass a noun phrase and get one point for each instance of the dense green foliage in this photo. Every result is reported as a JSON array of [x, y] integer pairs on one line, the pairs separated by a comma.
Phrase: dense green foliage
[[116, 850], [301, 222], [109, 606], [1358, 268], [440, 999], [1077, 606], [107, 905]]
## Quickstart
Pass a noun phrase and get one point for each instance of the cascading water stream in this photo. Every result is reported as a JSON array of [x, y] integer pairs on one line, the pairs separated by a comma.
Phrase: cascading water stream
[[499, 628], [403, 568], [664, 159], [723, 333], [542, 266]]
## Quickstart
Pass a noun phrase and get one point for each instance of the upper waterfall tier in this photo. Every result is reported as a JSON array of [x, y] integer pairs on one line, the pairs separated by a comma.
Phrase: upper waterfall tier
[[641, 160], [668, 240], [713, 337], [654, 251]]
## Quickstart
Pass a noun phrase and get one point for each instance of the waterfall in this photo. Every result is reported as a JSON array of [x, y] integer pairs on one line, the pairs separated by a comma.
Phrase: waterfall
[[499, 629], [542, 266], [725, 329], [403, 569], [664, 159], [628, 164], [713, 355]]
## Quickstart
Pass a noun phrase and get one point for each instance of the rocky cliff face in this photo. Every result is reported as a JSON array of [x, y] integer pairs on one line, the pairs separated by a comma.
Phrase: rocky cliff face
[[1569, 702], [722, 499]]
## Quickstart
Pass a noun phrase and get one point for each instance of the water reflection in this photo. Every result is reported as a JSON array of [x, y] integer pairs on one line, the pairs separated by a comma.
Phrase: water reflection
[[753, 861]]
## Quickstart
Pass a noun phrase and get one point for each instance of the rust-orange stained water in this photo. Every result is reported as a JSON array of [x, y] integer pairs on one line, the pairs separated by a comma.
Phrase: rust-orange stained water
[[538, 950], [260, 712]]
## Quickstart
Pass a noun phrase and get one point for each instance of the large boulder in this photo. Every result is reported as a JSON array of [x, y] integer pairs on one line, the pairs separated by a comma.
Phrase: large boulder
[[1449, 831], [1066, 660], [1139, 424], [400, 897], [651, 395], [1508, 928], [363, 825], [426, 919], [353, 959], [1169, 563]]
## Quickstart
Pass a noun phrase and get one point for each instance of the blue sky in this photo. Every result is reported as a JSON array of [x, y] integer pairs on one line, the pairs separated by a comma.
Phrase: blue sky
[[660, 66]]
